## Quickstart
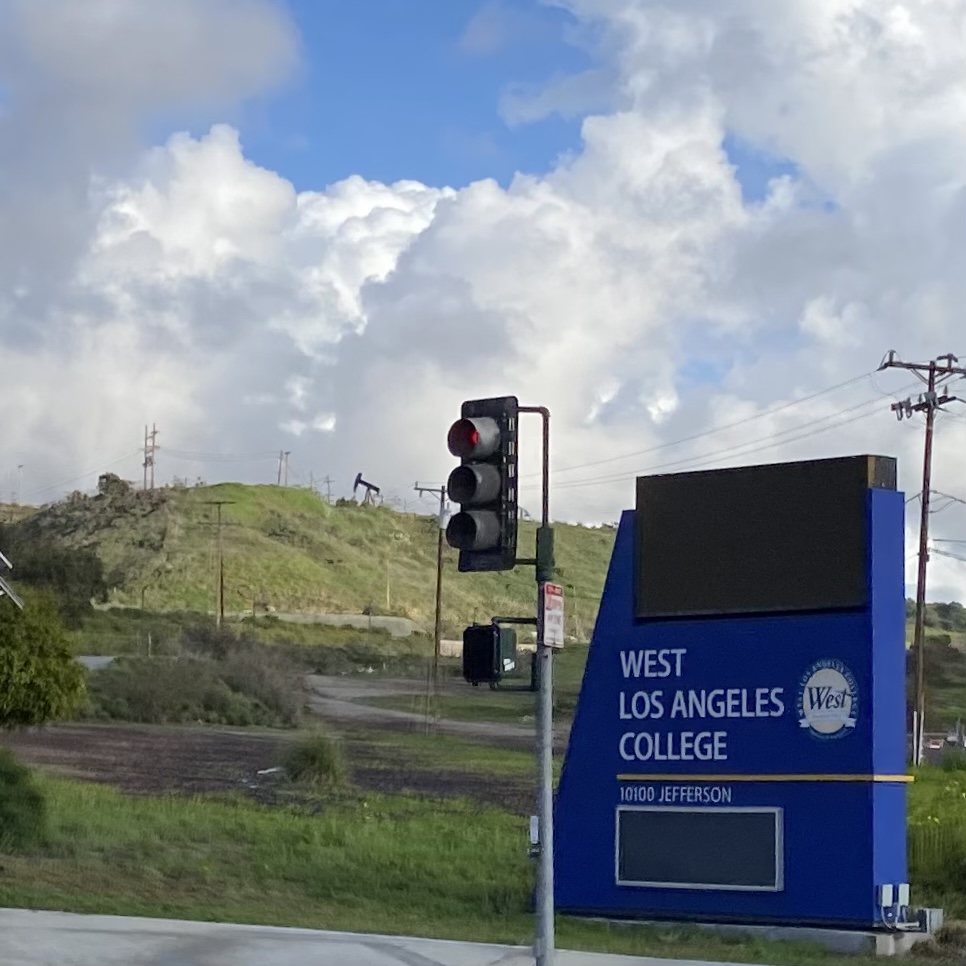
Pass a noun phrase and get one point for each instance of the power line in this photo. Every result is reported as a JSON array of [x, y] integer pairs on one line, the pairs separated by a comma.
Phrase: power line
[[947, 496], [946, 553], [83, 476], [200, 457], [709, 432], [770, 441]]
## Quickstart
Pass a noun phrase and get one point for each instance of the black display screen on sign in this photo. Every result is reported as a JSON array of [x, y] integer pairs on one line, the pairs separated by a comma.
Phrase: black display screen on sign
[[756, 539], [714, 848]]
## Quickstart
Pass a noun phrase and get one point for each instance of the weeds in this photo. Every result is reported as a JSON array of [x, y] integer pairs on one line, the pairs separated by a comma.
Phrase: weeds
[[317, 760], [251, 687]]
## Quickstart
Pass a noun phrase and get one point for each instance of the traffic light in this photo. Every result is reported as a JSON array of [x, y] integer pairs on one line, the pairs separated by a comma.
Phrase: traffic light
[[488, 652], [484, 484]]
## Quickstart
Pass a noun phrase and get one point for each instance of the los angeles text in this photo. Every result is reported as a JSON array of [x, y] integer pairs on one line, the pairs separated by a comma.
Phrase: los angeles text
[[657, 703]]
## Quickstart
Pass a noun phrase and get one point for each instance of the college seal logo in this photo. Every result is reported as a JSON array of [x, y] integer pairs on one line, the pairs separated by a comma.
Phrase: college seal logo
[[828, 699]]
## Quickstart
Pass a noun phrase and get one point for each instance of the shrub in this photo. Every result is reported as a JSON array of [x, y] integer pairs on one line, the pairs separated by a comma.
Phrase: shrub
[[165, 691], [268, 678], [22, 807], [953, 759], [39, 679], [317, 760]]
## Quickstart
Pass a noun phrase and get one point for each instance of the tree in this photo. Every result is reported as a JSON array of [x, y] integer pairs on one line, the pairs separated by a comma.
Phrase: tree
[[39, 679], [76, 575]]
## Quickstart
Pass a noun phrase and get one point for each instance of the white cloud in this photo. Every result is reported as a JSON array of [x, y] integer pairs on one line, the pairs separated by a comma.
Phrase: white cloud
[[630, 288]]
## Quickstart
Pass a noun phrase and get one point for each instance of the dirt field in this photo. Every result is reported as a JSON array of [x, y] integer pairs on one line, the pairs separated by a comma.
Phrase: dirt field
[[152, 759]]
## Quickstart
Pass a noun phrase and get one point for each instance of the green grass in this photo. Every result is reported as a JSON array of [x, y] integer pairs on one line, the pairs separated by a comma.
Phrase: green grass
[[445, 753], [476, 705], [937, 838], [289, 549], [133, 631], [391, 865]]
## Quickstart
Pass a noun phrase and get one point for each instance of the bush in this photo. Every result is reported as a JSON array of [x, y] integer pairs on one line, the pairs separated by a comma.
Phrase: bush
[[189, 689], [317, 760], [953, 759], [39, 679], [22, 807], [267, 677]]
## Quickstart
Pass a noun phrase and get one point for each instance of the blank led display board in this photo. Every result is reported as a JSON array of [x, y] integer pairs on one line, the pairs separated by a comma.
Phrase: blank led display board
[[739, 849], [758, 539]]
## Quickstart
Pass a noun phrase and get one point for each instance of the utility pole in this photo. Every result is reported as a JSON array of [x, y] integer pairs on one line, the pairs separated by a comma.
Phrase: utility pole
[[150, 448], [440, 532], [283, 455], [220, 565], [934, 374]]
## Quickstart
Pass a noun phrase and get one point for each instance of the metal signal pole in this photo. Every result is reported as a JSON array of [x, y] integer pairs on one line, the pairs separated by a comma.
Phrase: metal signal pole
[[485, 484], [545, 939], [929, 403]]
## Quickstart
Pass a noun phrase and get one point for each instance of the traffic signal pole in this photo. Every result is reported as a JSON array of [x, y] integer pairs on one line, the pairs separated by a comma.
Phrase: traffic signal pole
[[543, 949], [484, 531]]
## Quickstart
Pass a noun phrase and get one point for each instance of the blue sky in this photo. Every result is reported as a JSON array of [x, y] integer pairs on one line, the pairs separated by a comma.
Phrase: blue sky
[[391, 90]]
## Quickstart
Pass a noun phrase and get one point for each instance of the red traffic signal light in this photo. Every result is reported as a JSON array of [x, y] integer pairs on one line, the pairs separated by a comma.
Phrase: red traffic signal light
[[473, 438], [484, 484]]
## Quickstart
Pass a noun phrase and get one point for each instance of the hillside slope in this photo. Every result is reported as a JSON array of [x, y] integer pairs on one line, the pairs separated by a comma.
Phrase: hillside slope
[[289, 550]]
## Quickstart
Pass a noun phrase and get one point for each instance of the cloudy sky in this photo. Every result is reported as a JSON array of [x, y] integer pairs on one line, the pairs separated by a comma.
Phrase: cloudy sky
[[691, 228]]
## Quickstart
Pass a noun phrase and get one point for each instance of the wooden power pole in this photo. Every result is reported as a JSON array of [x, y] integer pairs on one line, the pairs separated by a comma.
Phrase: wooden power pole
[[934, 374], [440, 529], [150, 448], [220, 564]]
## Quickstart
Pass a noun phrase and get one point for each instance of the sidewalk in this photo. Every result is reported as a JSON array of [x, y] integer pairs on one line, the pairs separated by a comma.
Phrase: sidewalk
[[63, 939]]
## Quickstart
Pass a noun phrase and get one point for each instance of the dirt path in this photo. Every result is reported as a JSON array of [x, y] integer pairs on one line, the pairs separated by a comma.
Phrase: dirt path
[[343, 699]]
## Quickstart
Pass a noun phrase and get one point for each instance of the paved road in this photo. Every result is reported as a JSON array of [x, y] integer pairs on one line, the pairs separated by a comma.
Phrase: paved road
[[343, 699], [62, 939]]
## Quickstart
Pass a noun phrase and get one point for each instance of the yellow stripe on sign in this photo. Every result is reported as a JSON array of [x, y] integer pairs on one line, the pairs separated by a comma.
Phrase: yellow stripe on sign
[[765, 778]]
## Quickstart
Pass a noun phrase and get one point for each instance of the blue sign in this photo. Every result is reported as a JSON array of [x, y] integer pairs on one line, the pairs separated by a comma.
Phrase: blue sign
[[742, 767]]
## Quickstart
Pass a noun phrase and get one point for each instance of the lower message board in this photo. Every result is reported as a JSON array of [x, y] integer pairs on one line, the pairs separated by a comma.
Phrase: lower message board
[[697, 846], [747, 769]]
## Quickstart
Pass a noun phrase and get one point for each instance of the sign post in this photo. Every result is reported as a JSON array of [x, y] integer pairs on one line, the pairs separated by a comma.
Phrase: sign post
[[553, 616], [544, 944], [485, 533]]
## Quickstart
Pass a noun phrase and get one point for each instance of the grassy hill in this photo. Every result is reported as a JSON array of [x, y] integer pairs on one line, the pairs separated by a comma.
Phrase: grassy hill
[[289, 550], [286, 550]]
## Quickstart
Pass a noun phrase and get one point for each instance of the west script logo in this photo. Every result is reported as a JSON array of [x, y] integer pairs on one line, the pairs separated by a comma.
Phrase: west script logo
[[828, 699]]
